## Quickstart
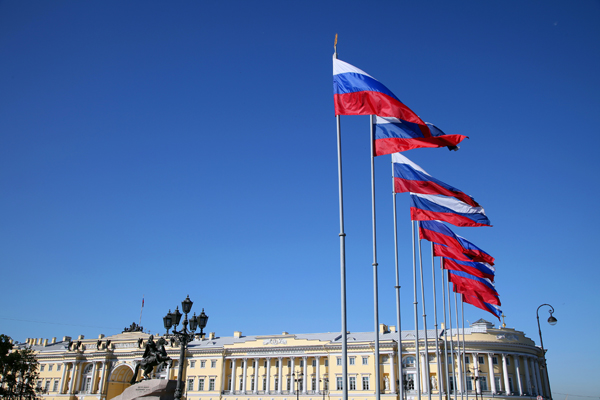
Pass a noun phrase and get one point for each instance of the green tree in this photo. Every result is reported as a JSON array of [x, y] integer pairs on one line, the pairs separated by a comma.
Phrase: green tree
[[19, 372]]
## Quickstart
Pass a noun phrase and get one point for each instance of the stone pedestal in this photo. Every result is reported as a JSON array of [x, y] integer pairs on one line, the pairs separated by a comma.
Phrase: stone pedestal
[[153, 389]]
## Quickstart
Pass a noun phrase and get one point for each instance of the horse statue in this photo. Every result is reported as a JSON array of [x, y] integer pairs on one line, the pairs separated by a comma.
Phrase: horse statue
[[155, 355]]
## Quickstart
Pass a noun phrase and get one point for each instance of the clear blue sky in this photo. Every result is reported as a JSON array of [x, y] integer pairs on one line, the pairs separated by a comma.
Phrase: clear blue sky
[[141, 141]]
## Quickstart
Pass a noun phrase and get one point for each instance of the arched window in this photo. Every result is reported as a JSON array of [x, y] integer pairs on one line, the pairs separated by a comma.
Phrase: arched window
[[86, 379], [408, 362]]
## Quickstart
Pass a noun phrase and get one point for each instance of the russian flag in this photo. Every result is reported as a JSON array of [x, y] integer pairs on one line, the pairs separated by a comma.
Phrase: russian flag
[[473, 284], [409, 177], [481, 270], [427, 207], [393, 135], [357, 93], [437, 232], [480, 303]]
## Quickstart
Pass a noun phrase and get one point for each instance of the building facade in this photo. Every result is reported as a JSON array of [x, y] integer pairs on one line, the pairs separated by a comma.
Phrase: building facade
[[499, 363]]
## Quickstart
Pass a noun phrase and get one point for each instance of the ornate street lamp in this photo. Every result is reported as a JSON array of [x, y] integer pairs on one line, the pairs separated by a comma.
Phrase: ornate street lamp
[[184, 335], [298, 380], [476, 378], [552, 321]]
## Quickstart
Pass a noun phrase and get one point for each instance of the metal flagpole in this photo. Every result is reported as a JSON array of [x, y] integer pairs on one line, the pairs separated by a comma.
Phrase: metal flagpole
[[426, 382], [397, 287], [416, 312], [454, 361], [342, 236], [461, 351], [375, 289], [435, 323], [462, 313], [447, 374]]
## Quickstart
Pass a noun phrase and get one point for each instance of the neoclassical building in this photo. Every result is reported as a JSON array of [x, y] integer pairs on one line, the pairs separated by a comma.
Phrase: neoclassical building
[[499, 362]]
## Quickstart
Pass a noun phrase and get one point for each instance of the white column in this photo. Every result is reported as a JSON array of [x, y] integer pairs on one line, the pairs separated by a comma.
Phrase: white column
[[73, 374], [304, 373], [168, 372], [424, 374], [93, 385], [476, 371], [458, 386], [244, 373], [102, 376], [268, 375], [62, 378], [535, 385], [279, 381], [518, 372], [527, 378], [292, 383], [536, 368], [492, 376], [318, 361], [505, 373], [392, 374], [256, 366], [233, 376]]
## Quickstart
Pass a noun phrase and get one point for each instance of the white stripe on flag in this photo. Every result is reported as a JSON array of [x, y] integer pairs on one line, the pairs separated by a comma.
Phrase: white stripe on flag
[[451, 203], [340, 67]]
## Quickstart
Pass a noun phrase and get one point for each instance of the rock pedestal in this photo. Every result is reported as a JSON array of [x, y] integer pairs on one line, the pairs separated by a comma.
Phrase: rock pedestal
[[153, 389]]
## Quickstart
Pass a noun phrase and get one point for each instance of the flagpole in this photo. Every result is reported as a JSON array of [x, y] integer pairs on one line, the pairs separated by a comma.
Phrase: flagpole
[[461, 351], [375, 288], [426, 382], [435, 323], [141, 310], [397, 287], [454, 361], [447, 374], [462, 313], [342, 236], [416, 312]]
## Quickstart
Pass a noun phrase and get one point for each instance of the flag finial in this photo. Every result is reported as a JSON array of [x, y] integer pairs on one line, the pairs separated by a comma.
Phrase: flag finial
[[335, 46]]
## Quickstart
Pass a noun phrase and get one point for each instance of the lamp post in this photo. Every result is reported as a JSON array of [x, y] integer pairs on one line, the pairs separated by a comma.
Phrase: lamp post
[[476, 378], [325, 386], [184, 335], [298, 380], [551, 321]]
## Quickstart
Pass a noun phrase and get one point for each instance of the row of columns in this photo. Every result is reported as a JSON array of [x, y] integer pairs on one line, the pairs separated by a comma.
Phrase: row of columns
[[533, 380], [75, 375], [268, 374]]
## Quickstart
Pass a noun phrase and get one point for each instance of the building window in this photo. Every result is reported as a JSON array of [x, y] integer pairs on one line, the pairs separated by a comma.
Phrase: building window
[[252, 384], [327, 362], [253, 364], [289, 384], [325, 384], [241, 384], [58, 367], [451, 383], [42, 368], [213, 364], [467, 360], [289, 363], [39, 384], [314, 362], [481, 360], [276, 383], [495, 360], [314, 384], [55, 388], [277, 363], [507, 361], [352, 380], [408, 362], [231, 364], [211, 384], [47, 387], [201, 384], [301, 363], [264, 385], [190, 385], [192, 364], [339, 361], [469, 382], [365, 361], [483, 383], [365, 383], [510, 385], [50, 367], [229, 384], [202, 363], [497, 382], [339, 383], [265, 363], [352, 360]]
